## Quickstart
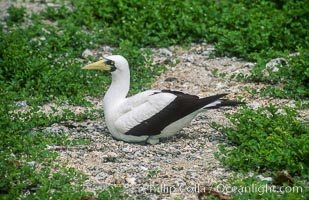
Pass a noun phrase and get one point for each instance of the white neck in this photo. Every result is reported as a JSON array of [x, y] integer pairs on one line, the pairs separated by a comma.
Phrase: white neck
[[118, 90]]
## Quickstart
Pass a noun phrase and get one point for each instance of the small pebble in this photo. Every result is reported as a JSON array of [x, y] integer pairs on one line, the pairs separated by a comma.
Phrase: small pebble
[[87, 53]]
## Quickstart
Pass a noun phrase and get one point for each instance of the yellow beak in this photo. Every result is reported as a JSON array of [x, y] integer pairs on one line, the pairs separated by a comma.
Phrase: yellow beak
[[101, 65]]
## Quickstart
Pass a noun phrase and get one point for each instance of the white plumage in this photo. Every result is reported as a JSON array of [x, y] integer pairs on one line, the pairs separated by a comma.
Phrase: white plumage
[[150, 115]]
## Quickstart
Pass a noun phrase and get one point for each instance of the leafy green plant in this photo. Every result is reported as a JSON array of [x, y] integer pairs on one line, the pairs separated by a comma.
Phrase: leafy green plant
[[143, 23], [16, 15], [25, 164], [258, 31], [266, 139], [153, 173], [293, 78], [247, 32], [250, 188], [34, 69], [114, 193], [38, 64]]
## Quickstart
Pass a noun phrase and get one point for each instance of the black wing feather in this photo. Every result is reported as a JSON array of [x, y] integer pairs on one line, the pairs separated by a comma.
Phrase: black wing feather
[[183, 105]]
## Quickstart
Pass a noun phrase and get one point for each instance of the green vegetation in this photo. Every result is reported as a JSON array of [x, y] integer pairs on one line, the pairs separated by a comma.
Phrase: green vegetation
[[113, 193], [258, 30], [264, 190], [26, 165], [266, 139], [40, 61], [292, 79], [16, 15]]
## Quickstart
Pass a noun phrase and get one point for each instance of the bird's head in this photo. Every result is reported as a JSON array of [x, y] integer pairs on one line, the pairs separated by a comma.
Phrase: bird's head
[[111, 63]]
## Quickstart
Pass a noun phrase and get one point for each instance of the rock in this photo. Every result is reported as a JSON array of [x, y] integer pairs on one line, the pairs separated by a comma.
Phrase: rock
[[53, 5], [171, 79], [234, 59], [56, 129], [210, 48], [127, 149], [101, 175], [46, 31], [262, 178], [143, 168], [274, 62], [165, 52], [206, 53], [209, 51], [294, 54], [192, 174], [254, 105], [112, 154], [32, 163], [107, 48], [131, 180], [177, 168], [190, 58], [21, 104], [87, 53], [110, 157], [249, 65]]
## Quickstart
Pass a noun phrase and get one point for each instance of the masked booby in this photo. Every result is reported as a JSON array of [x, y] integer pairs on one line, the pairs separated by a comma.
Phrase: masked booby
[[149, 115]]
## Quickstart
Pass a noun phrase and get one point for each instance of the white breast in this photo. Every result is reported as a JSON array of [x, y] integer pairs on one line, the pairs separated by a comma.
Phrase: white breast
[[134, 110]]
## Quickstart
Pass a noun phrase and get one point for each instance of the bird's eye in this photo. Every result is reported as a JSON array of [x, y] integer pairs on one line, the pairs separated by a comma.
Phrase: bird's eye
[[110, 62]]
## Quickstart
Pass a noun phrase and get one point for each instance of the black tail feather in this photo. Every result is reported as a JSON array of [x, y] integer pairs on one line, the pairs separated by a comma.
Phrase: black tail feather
[[225, 103]]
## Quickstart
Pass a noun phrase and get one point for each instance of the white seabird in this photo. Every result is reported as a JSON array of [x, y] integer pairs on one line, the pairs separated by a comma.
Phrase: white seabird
[[149, 115]]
